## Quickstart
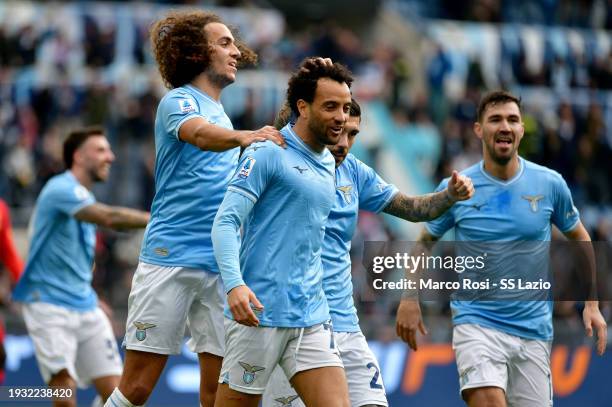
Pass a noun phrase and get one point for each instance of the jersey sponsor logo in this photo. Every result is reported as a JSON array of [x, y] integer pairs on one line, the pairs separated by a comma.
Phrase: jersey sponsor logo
[[161, 251], [533, 201], [301, 170], [255, 148], [249, 372], [570, 213], [381, 186], [286, 401], [141, 329], [81, 192], [346, 193], [247, 167], [187, 105]]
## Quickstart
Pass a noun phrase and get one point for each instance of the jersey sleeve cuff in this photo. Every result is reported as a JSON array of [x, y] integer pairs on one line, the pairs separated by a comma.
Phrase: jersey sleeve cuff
[[230, 285]]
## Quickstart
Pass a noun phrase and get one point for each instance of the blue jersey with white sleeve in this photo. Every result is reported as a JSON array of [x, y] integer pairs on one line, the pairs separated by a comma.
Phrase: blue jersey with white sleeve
[[61, 255], [358, 187], [520, 209], [189, 184], [292, 191]]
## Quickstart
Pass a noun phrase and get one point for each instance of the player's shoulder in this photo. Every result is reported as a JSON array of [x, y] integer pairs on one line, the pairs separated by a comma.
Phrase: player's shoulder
[[181, 98], [541, 172], [263, 149]]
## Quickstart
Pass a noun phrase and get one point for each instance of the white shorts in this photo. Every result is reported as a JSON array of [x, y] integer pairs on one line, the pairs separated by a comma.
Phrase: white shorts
[[362, 373], [488, 357], [253, 353], [83, 343], [164, 300]]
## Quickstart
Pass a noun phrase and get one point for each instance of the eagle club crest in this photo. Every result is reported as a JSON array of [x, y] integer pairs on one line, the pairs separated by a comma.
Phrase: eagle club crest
[[533, 201], [346, 193], [286, 401], [249, 372], [141, 329]]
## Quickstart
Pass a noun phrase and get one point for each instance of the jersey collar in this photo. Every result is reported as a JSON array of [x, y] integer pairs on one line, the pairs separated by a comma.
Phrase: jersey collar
[[496, 180]]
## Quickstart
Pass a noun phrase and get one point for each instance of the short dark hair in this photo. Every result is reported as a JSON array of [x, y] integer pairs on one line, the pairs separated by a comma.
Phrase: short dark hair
[[303, 83], [181, 49], [494, 98], [285, 115], [355, 109], [75, 139]]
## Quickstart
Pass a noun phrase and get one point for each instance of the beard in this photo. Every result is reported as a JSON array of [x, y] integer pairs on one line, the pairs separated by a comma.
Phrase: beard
[[219, 79], [500, 160]]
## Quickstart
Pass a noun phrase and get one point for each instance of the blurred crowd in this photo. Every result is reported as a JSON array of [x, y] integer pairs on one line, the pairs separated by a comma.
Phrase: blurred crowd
[[98, 69]]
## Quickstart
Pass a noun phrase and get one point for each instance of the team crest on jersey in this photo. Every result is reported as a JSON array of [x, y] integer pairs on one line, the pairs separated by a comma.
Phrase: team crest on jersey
[[249, 372], [247, 167], [346, 193], [286, 401], [533, 201], [141, 329], [187, 105]]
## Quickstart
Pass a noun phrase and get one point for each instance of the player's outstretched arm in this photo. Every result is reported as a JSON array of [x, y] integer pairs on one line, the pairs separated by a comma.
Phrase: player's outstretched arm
[[409, 319], [428, 207], [207, 136], [591, 316], [115, 217], [233, 211]]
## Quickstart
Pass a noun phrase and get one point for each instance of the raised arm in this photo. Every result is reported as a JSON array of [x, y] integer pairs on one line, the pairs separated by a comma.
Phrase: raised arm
[[428, 207], [233, 211], [115, 217]]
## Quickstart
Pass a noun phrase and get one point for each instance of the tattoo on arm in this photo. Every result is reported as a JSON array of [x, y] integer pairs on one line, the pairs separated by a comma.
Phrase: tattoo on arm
[[421, 208]]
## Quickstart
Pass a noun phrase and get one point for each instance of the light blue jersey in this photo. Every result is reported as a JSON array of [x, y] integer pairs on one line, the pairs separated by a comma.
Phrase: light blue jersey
[[189, 184], [357, 187], [292, 191], [520, 209], [60, 260]]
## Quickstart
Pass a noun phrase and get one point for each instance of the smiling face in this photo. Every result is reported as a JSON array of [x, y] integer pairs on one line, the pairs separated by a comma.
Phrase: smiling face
[[95, 157], [501, 130], [224, 55], [328, 112], [346, 140]]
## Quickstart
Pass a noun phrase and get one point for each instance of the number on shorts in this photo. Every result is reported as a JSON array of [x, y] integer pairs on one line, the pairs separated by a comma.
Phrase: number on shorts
[[374, 382], [328, 327]]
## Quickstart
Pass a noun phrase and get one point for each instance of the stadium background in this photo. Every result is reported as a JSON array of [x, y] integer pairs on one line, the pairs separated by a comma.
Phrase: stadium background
[[421, 66]]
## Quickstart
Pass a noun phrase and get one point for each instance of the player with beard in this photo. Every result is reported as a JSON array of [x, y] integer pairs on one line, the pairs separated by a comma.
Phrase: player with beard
[[359, 187], [73, 338], [276, 308], [502, 348], [176, 283]]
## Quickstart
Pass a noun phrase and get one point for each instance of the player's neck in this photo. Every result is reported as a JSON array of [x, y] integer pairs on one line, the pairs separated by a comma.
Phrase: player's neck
[[203, 83], [302, 131], [502, 171], [82, 177]]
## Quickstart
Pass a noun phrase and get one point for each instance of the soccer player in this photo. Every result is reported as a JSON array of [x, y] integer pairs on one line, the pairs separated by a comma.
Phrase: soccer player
[[176, 282], [502, 348], [73, 338], [10, 259], [276, 308], [359, 187]]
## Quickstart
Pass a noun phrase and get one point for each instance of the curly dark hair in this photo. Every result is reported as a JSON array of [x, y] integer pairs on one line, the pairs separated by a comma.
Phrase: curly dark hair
[[493, 98], [303, 83], [181, 48]]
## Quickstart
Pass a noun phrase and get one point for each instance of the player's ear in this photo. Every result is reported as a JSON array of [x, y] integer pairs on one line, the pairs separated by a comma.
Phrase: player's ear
[[303, 108], [478, 130]]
